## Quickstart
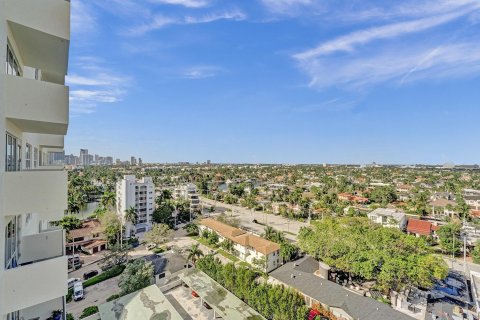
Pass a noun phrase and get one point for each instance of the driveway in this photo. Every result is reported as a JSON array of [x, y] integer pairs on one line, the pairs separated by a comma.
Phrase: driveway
[[94, 295]]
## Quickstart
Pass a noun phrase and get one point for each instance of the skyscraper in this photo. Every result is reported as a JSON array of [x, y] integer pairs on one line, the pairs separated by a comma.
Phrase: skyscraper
[[35, 35], [84, 157]]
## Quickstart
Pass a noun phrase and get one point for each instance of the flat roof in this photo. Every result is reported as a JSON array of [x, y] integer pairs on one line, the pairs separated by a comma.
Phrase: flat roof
[[148, 303], [225, 303]]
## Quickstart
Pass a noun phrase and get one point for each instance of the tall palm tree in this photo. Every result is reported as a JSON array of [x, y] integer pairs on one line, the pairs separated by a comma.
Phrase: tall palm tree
[[194, 253], [108, 200], [269, 233], [131, 215]]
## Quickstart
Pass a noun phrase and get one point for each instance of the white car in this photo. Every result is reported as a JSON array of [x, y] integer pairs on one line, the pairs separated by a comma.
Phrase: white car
[[72, 281]]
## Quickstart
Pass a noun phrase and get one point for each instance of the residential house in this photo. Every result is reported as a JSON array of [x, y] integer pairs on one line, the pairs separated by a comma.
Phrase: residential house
[[246, 246], [421, 228], [352, 198], [443, 207], [89, 237], [388, 217], [473, 201]]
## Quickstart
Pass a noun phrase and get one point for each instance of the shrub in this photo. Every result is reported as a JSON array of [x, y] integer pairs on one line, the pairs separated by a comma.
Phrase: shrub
[[113, 297], [70, 316], [110, 273], [88, 311], [69, 295], [158, 250]]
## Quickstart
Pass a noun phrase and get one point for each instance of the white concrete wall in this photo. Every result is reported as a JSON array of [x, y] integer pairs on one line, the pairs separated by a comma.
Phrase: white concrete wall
[[3, 49]]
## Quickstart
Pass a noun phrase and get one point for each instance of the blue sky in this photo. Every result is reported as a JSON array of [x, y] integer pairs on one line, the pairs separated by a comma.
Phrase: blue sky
[[277, 81]]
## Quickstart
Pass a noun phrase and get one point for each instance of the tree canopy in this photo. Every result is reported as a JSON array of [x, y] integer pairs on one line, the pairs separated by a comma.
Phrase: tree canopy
[[366, 250]]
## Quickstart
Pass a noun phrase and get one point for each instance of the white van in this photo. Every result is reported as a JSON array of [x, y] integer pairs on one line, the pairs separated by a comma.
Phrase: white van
[[72, 281], [78, 291]]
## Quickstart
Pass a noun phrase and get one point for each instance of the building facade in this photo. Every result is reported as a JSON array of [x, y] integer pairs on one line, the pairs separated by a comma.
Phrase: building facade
[[248, 247], [139, 194], [34, 115], [188, 192]]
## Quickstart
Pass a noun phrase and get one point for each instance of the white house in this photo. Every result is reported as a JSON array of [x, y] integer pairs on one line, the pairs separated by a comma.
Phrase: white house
[[246, 246], [139, 194], [389, 218]]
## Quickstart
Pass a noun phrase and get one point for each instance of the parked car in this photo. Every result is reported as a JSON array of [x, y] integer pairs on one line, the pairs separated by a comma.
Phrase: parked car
[[194, 294], [89, 274], [78, 291], [206, 305], [71, 282], [151, 246]]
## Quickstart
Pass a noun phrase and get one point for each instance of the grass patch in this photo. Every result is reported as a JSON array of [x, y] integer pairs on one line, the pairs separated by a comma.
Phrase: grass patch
[[205, 243], [158, 250], [89, 311], [244, 264], [113, 297], [228, 255], [110, 273]]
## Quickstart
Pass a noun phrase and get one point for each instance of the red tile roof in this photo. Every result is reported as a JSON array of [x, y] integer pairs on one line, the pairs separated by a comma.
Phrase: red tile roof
[[420, 227]]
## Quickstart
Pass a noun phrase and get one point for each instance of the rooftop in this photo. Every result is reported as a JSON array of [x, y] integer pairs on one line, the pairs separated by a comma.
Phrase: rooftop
[[299, 275], [148, 303], [225, 304]]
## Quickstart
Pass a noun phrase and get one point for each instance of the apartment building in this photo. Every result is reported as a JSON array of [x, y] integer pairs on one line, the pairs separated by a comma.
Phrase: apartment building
[[139, 194], [246, 246], [34, 43], [188, 192]]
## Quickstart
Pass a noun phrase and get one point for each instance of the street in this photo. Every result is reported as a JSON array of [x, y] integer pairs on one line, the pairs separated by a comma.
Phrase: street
[[291, 228]]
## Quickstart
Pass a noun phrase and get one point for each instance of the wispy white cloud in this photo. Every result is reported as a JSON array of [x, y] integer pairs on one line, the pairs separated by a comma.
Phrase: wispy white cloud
[[397, 52], [349, 42], [82, 18], [288, 7], [185, 3], [200, 72], [94, 84], [397, 65], [161, 21]]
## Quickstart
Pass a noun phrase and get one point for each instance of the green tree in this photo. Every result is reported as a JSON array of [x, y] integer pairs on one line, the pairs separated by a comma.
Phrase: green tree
[[137, 275], [159, 234], [69, 223], [192, 229], [288, 251], [227, 244], [449, 235], [108, 200], [476, 252], [194, 253], [114, 256], [131, 215], [112, 227]]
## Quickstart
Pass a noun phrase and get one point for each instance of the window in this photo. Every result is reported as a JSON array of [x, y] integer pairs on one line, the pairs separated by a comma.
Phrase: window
[[11, 244], [12, 65], [12, 153], [28, 156], [35, 157]]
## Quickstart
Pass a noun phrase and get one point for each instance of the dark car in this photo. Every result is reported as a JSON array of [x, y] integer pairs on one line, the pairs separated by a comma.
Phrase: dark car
[[206, 305], [89, 274]]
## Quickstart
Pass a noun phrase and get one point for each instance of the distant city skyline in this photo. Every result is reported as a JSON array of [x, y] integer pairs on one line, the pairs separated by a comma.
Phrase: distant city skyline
[[276, 81]]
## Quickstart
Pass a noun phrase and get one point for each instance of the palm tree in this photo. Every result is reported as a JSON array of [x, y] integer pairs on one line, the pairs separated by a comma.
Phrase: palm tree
[[269, 233], [194, 253], [108, 200], [131, 215]]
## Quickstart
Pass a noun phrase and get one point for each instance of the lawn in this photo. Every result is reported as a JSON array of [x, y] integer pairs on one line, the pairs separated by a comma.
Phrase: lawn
[[228, 255]]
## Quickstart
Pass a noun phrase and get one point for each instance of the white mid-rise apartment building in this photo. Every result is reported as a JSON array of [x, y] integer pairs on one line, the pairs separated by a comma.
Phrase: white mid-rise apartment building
[[139, 194], [34, 45], [188, 192]]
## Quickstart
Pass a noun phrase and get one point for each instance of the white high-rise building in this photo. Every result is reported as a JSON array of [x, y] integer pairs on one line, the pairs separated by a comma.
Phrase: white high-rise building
[[139, 194], [34, 44], [84, 157], [188, 192]]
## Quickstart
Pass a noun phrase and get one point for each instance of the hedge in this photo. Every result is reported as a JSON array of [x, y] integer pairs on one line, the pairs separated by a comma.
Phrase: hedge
[[110, 273], [113, 297], [88, 311]]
